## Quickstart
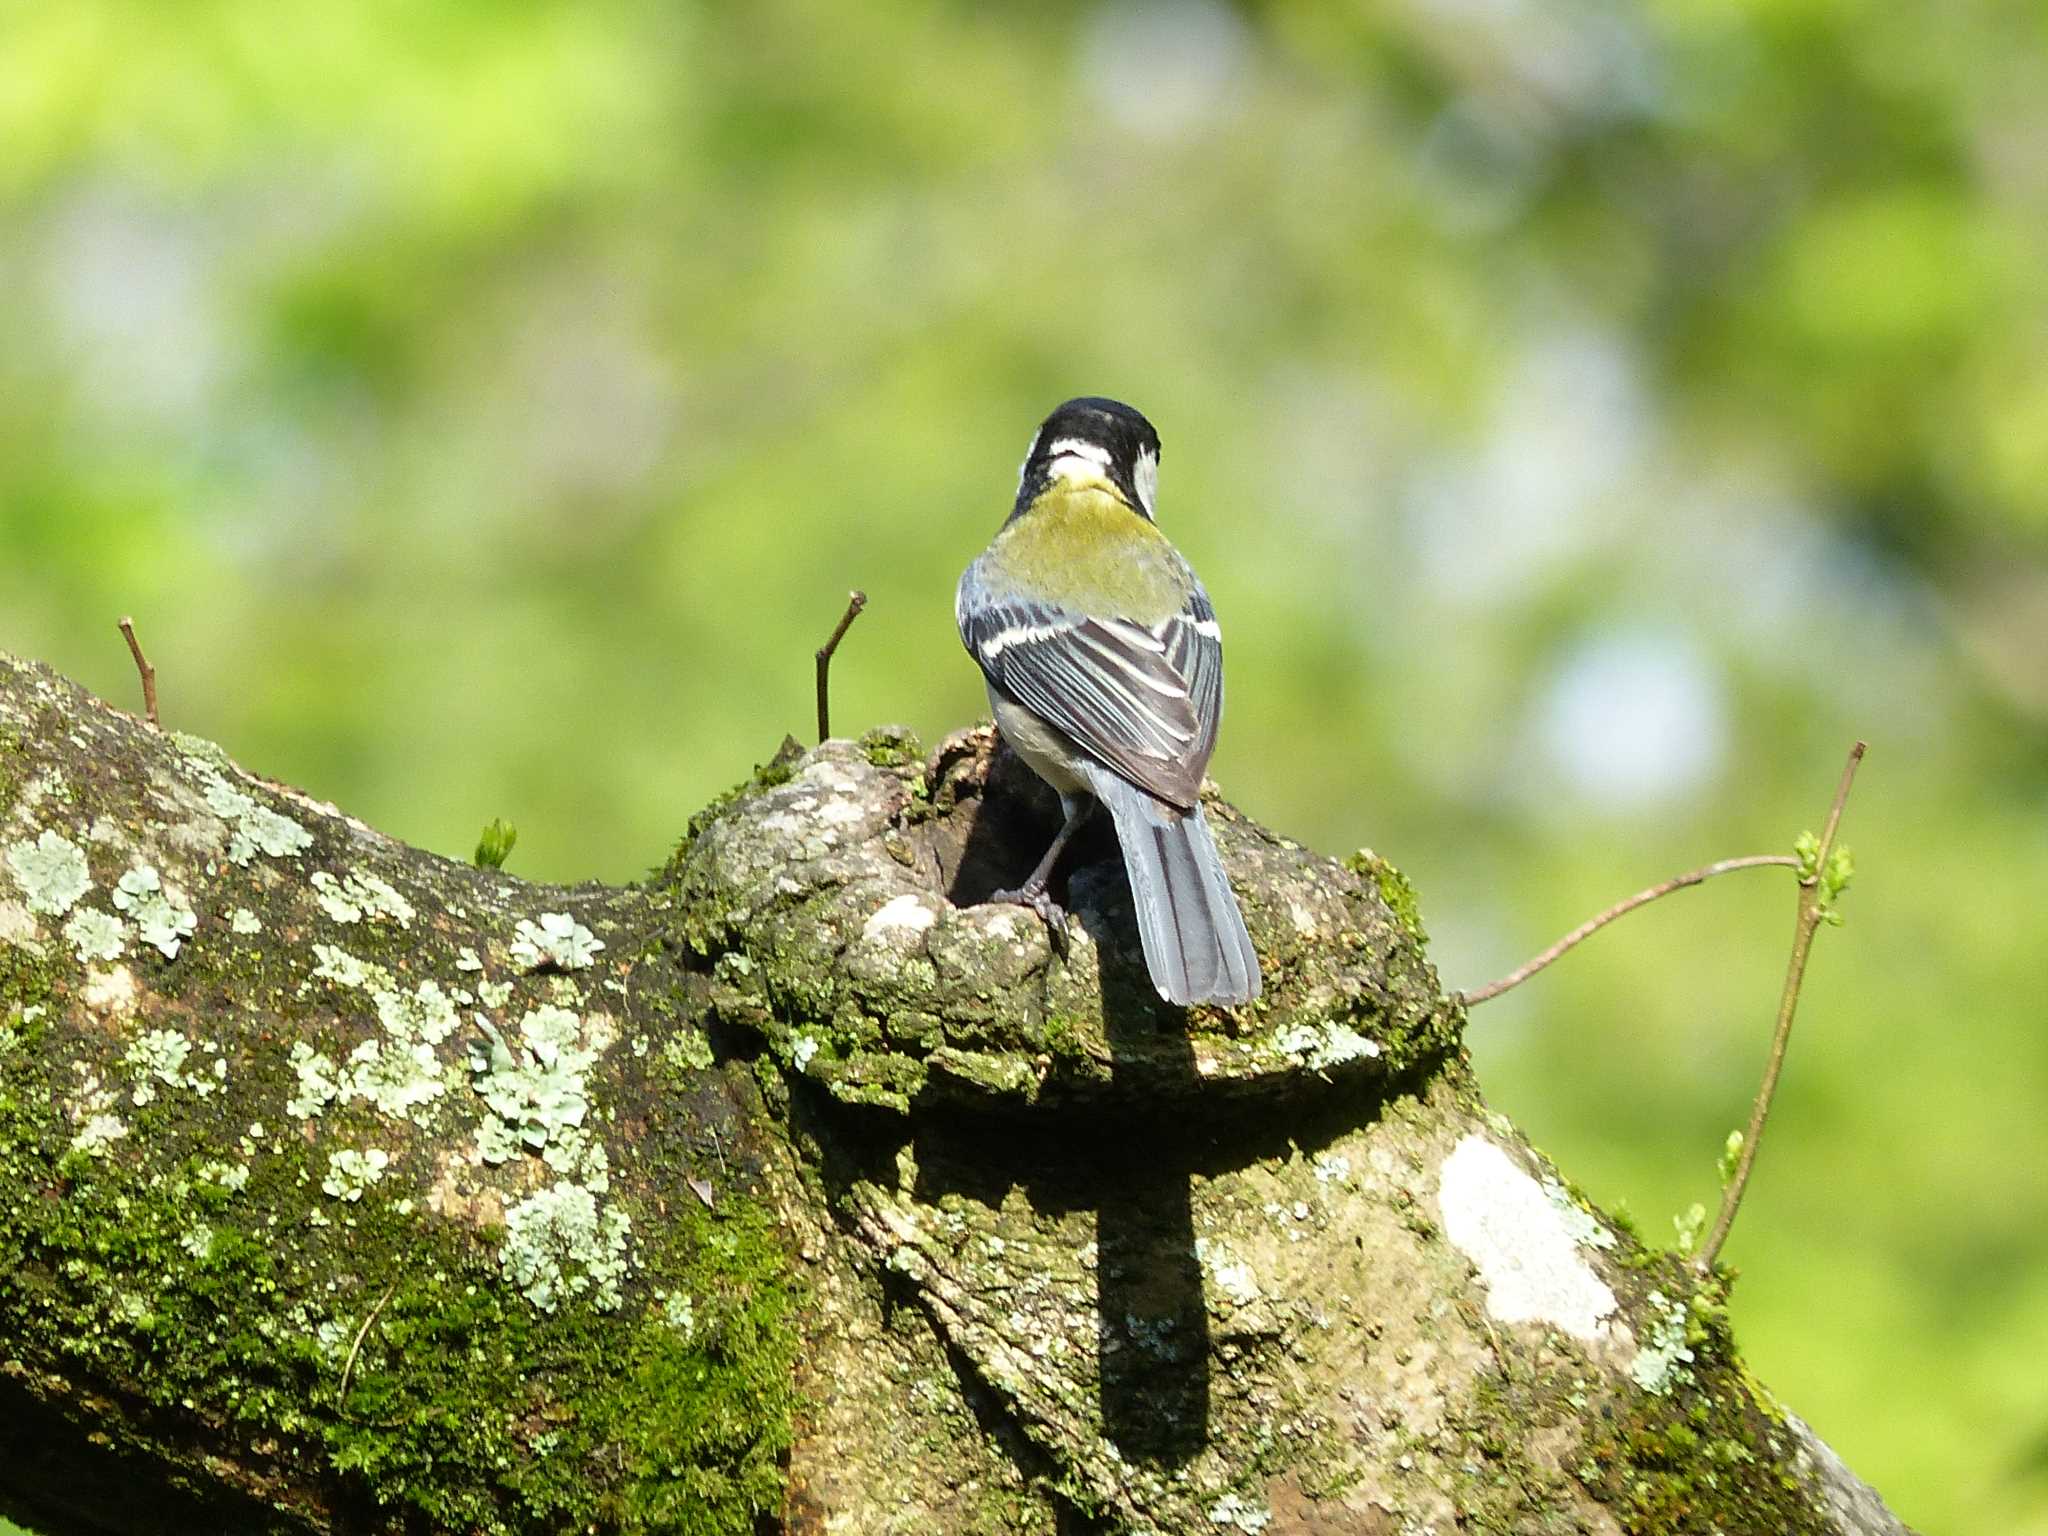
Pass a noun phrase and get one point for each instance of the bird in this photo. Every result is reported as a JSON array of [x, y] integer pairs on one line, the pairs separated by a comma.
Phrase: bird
[[1104, 665]]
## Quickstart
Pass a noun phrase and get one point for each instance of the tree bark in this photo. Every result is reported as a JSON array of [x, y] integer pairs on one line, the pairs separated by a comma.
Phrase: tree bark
[[346, 1188]]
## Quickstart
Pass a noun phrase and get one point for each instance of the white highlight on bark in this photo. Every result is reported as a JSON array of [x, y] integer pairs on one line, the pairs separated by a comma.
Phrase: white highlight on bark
[[1500, 1219], [906, 914]]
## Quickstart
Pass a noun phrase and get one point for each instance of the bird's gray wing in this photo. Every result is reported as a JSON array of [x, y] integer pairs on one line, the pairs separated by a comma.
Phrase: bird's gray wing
[[1194, 649], [1143, 700]]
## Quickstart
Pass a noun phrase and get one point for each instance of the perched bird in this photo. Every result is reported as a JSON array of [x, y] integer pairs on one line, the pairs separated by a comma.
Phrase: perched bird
[[1104, 665]]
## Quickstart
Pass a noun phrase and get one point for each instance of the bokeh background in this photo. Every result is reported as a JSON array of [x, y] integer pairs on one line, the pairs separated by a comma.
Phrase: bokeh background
[[1588, 418]]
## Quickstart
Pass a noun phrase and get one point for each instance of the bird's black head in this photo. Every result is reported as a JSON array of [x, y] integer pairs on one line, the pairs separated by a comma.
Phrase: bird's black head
[[1093, 438]]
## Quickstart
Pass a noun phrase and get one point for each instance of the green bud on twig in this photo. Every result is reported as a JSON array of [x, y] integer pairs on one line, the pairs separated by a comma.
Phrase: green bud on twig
[[1731, 1154], [494, 846]]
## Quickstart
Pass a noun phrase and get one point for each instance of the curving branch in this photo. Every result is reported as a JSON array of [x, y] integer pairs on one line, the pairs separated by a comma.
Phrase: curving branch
[[346, 1188], [1621, 909]]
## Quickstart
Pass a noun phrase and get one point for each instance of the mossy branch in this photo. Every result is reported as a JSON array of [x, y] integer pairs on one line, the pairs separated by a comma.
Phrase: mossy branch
[[344, 1188]]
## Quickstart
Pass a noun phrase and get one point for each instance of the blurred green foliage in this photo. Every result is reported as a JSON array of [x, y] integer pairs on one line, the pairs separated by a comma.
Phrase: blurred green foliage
[[1588, 418]]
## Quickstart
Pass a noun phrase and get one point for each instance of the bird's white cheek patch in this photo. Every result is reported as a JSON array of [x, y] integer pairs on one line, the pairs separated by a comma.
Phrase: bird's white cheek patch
[[1515, 1235], [1079, 448], [1076, 470]]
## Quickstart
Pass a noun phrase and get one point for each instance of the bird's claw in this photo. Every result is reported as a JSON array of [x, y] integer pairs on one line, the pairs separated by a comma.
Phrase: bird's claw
[[1050, 912]]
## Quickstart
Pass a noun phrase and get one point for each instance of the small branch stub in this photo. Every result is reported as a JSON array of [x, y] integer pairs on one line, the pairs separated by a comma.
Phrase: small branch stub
[[855, 601], [146, 671]]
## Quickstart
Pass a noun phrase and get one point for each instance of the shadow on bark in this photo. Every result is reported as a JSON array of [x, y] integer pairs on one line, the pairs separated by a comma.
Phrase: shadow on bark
[[103, 1488], [1152, 1323]]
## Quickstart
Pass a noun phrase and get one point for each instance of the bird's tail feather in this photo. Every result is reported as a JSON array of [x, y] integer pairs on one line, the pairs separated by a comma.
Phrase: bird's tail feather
[[1195, 942]]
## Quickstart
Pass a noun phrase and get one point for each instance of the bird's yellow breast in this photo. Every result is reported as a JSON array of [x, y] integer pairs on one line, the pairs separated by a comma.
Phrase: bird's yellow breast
[[1080, 547]]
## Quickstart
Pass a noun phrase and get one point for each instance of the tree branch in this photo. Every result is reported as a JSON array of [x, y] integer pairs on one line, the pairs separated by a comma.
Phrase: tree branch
[[1812, 913], [1642, 898], [998, 1236]]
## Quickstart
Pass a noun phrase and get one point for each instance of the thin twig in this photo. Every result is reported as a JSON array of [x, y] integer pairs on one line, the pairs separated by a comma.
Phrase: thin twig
[[1811, 915], [348, 1369], [148, 672], [723, 1171], [855, 601], [1593, 925]]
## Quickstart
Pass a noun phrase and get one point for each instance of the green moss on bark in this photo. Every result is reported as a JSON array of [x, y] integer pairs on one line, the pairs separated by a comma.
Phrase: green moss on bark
[[327, 1344], [1710, 1455], [465, 1405]]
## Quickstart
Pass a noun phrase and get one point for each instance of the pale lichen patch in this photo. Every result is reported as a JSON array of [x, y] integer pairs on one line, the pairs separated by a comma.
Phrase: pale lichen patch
[[93, 1113], [253, 828], [1233, 1276], [677, 1311], [318, 1079], [1319, 1048], [98, 1134], [1239, 1514], [345, 970], [395, 1075], [1528, 1259], [535, 1086], [1663, 1358], [162, 920], [426, 1015], [350, 1172], [1579, 1222], [95, 935], [1332, 1168], [232, 1177], [157, 1059], [560, 1243], [395, 1072], [361, 895], [557, 940], [50, 871]]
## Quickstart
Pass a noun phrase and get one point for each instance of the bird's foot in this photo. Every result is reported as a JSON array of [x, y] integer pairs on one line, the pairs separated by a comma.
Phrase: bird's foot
[[1050, 912]]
